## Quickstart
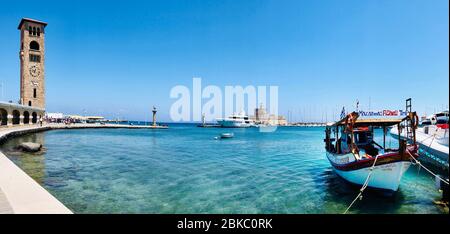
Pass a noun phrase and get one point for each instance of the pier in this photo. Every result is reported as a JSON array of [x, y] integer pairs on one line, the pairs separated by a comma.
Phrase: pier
[[98, 125]]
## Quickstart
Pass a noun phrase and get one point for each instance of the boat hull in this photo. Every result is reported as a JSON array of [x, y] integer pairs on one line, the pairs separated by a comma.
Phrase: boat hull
[[385, 177], [233, 124], [387, 172], [428, 143]]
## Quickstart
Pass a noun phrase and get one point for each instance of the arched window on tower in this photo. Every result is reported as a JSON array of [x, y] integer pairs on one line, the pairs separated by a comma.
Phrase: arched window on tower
[[38, 32], [29, 103], [30, 30], [34, 45], [34, 31]]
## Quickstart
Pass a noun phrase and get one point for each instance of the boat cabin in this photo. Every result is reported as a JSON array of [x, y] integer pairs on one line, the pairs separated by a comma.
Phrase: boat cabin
[[353, 135]]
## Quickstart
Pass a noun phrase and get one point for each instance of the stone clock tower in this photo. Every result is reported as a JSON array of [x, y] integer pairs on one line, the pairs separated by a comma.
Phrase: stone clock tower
[[32, 60]]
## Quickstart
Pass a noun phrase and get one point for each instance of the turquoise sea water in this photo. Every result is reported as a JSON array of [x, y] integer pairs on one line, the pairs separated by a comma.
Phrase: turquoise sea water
[[184, 170]]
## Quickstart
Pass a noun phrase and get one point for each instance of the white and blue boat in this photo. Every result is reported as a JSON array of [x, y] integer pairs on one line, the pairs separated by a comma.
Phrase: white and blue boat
[[433, 139]]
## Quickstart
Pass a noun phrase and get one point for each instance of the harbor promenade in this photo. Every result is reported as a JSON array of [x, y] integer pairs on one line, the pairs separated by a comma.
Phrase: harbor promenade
[[19, 193]]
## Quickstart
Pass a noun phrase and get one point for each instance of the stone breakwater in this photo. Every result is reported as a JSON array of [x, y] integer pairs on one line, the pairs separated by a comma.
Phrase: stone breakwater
[[8, 133], [19, 193]]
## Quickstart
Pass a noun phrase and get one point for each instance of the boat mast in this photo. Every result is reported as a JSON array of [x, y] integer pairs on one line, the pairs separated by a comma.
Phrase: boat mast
[[338, 144]]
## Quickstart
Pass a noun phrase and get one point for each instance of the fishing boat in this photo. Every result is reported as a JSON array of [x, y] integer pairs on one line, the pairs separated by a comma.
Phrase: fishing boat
[[356, 157]]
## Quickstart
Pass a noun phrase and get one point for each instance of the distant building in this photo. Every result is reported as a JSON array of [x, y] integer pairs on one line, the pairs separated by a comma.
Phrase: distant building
[[54, 115], [85, 119], [260, 113], [263, 117], [94, 119]]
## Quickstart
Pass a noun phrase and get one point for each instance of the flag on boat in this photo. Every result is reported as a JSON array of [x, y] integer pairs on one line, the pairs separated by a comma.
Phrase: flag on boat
[[343, 113]]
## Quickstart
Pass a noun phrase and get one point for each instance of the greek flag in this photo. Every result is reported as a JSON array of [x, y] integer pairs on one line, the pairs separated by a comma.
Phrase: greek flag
[[343, 113]]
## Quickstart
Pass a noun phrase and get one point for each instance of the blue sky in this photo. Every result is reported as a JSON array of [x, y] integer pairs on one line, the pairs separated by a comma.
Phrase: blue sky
[[121, 58]]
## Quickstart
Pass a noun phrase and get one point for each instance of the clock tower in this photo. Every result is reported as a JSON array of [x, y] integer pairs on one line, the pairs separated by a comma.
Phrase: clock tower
[[32, 60]]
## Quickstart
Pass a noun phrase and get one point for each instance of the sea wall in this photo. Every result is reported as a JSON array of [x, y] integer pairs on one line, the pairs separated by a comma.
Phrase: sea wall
[[9, 133], [19, 193]]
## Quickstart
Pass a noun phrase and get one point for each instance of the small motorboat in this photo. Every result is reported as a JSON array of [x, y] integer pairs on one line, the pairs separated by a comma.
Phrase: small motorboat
[[353, 153], [226, 135]]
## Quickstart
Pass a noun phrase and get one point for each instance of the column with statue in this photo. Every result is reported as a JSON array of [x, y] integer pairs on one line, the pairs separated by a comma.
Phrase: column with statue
[[154, 116]]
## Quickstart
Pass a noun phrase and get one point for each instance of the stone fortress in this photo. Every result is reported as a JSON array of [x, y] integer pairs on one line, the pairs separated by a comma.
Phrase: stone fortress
[[31, 107]]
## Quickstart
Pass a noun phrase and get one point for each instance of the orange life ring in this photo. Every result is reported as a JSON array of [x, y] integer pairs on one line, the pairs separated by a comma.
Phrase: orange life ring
[[349, 122]]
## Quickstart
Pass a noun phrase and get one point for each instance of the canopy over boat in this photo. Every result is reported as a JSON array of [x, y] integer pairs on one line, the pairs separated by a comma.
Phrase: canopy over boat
[[365, 122]]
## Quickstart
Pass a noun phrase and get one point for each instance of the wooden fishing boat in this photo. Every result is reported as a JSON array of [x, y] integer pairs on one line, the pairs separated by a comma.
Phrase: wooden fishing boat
[[353, 152]]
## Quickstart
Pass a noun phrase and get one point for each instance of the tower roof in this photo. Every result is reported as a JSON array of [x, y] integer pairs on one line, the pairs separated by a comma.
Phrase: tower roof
[[30, 20]]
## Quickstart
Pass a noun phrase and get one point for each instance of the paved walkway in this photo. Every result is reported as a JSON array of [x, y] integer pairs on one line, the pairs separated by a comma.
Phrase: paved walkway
[[19, 193], [5, 208]]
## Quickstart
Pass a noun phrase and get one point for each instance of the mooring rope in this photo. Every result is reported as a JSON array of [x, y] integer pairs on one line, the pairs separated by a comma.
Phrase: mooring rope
[[429, 171], [434, 136], [426, 151], [366, 183]]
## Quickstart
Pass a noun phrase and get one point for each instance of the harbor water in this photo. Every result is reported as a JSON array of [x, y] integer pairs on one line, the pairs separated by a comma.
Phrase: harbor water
[[183, 169]]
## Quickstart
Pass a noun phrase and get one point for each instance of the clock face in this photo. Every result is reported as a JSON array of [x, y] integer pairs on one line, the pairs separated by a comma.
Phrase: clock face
[[35, 71]]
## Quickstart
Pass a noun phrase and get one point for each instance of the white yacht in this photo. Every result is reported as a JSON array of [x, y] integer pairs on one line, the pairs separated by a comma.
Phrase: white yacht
[[438, 118], [433, 136], [240, 120]]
